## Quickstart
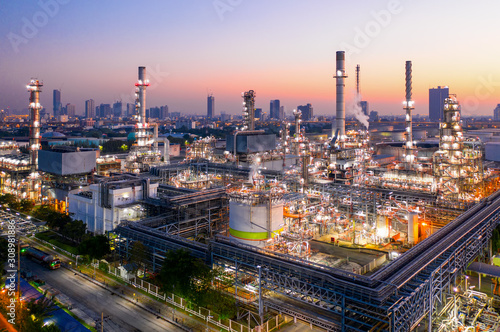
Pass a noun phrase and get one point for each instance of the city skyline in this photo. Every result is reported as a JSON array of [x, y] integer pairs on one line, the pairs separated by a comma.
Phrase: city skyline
[[87, 53]]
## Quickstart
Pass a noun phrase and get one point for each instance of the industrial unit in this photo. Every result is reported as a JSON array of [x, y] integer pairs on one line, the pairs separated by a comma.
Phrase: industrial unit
[[286, 210]]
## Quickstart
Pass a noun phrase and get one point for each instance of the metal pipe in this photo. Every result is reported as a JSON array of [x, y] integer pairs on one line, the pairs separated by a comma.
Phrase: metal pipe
[[340, 77]]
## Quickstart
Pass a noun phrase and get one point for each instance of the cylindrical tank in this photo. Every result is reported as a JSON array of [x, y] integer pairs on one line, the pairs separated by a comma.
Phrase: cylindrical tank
[[254, 218]]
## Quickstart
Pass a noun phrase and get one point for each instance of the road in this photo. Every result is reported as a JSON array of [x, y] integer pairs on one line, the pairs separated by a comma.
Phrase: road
[[92, 299]]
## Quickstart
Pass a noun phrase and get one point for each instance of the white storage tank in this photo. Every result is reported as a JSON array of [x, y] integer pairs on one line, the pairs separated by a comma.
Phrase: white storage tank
[[255, 217]]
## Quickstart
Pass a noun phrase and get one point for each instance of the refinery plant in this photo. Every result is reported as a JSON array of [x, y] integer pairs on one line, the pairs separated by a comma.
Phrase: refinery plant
[[319, 223]]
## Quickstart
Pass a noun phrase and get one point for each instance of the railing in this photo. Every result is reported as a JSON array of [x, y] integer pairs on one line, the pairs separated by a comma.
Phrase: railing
[[203, 313]]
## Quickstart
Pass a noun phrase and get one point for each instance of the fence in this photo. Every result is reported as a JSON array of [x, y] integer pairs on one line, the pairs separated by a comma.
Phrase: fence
[[373, 264], [206, 315]]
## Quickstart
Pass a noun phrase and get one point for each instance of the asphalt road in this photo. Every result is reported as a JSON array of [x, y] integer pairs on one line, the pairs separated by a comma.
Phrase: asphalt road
[[121, 314]]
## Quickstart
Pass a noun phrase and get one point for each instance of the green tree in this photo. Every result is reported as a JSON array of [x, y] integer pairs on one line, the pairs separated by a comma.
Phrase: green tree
[[95, 247], [26, 205], [74, 230], [4, 246], [180, 272], [139, 255], [8, 200]]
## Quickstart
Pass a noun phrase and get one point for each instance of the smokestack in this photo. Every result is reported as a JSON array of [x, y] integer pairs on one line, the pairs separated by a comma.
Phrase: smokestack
[[357, 79], [340, 76], [409, 122]]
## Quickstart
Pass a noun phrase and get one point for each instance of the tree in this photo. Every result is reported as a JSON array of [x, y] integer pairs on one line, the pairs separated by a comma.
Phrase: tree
[[95, 247], [8, 200], [139, 255], [74, 230], [180, 272], [4, 246], [26, 205]]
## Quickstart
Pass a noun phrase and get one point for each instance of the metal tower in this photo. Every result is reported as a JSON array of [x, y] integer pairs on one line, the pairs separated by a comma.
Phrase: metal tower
[[34, 88], [408, 107], [249, 110], [140, 107]]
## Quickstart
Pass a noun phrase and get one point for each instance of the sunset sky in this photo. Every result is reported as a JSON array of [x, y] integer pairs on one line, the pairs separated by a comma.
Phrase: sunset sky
[[282, 49]]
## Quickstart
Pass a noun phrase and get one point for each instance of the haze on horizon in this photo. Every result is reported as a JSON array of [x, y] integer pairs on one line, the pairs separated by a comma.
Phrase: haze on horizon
[[284, 49]]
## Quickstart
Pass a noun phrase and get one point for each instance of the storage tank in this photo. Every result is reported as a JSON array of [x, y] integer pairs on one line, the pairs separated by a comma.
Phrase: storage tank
[[255, 217]]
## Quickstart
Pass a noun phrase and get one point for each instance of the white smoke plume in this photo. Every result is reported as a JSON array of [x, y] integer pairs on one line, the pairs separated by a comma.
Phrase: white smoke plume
[[356, 111]]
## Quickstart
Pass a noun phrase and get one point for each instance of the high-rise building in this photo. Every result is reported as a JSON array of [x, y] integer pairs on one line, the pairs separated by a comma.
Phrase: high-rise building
[[130, 110], [210, 106], [117, 109], [105, 111], [496, 113], [57, 105], [281, 113], [307, 112], [364, 107], [70, 110], [258, 113], [164, 112], [436, 102], [90, 109], [274, 109]]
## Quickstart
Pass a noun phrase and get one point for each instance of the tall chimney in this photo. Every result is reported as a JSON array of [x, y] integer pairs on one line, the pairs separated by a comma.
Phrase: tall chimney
[[340, 76]]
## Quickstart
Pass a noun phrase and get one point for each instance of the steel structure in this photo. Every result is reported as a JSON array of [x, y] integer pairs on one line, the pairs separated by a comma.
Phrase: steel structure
[[249, 110], [408, 107], [141, 155], [457, 165], [395, 298], [34, 88]]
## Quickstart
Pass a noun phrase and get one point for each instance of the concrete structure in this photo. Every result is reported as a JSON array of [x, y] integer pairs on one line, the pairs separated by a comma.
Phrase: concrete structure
[[67, 160], [104, 205], [340, 76], [436, 102]]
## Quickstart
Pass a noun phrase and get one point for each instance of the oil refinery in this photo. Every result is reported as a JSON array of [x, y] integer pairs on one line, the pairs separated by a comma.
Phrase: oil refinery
[[315, 224]]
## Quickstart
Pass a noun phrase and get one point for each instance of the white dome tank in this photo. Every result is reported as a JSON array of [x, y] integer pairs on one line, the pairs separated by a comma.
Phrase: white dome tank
[[255, 217]]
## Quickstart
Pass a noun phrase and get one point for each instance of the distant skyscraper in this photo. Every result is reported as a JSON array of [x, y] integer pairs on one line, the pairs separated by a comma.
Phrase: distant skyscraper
[[130, 110], [281, 113], [274, 109], [105, 111], [90, 109], [70, 110], [117, 109], [258, 113], [57, 103], [496, 113], [436, 103], [364, 107], [164, 112], [307, 112], [210, 106]]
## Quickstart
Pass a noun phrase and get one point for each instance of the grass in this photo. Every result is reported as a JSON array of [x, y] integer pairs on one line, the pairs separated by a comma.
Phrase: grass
[[57, 241]]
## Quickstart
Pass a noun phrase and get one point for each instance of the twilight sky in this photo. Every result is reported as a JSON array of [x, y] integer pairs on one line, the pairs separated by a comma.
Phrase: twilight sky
[[282, 49]]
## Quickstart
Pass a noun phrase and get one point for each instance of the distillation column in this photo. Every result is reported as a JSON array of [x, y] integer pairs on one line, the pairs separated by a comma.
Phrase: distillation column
[[140, 106], [249, 110], [34, 89], [408, 106], [340, 77]]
